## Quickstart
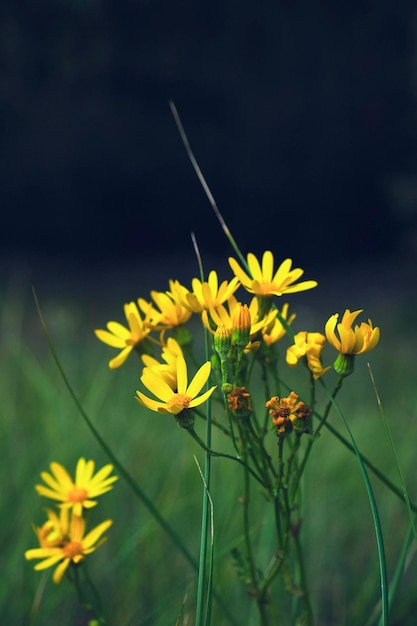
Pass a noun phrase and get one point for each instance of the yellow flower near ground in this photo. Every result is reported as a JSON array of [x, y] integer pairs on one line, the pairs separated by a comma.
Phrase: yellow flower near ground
[[351, 341], [76, 494], [65, 543], [118, 336], [262, 281], [186, 395]]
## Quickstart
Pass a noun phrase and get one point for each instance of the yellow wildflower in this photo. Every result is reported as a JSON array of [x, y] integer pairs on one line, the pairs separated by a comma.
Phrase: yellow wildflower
[[274, 331], [207, 294], [263, 282], [169, 313], [76, 494], [182, 396], [73, 544], [119, 336], [361, 339], [220, 316], [309, 345], [168, 370]]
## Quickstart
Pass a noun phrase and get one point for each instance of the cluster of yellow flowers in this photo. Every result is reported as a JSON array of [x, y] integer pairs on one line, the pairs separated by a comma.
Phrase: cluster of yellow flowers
[[231, 322], [62, 538]]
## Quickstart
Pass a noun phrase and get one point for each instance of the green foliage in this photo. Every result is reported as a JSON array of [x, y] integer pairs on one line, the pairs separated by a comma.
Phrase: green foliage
[[142, 577]]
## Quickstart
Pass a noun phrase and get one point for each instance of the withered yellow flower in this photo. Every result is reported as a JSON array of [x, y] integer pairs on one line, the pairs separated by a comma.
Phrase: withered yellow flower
[[262, 281]]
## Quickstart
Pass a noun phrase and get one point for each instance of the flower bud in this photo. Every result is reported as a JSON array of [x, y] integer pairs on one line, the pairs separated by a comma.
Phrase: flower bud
[[241, 325], [222, 341]]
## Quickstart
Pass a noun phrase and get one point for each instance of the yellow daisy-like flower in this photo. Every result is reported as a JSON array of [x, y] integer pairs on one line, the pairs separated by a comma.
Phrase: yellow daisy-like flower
[[352, 341], [207, 294], [169, 313], [274, 331], [72, 547], [263, 282], [182, 396], [118, 336], [167, 370], [76, 494], [309, 345]]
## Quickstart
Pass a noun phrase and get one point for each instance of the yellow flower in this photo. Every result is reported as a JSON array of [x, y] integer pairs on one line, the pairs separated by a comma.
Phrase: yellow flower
[[274, 331], [263, 282], [309, 345], [207, 294], [169, 313], [54, 531], [185, 396], [220, 316], [119, 336], [73, 547], [167, 370], [361, 339], [77, 494]]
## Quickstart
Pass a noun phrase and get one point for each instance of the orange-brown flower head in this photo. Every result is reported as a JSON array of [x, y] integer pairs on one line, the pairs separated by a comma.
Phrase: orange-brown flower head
[[239, 401], [288, 414]]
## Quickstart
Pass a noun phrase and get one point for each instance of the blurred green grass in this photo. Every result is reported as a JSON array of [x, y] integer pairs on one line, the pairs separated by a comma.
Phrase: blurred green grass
[[140, 573]]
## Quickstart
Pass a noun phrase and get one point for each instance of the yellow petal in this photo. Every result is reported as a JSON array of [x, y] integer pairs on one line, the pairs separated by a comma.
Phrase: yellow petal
[[199, 380], [118, 360], [110, 339], [182, 379]]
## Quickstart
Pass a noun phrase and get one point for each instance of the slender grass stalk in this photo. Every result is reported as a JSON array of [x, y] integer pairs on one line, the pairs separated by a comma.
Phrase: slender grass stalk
[[204, 182], [395, 455], [204, 586], [374, 510], [209, 574]]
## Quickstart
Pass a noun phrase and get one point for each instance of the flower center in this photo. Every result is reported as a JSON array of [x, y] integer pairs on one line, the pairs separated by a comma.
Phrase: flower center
[[72, 549], [77, 494], [180, 401]]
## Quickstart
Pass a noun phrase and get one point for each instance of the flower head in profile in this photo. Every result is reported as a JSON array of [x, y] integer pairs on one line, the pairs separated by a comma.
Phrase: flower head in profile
[[182, 396], [118, 336], [79, 493], [63, 541], [356, 340], [262, 281], [350, 341], [308, 345]]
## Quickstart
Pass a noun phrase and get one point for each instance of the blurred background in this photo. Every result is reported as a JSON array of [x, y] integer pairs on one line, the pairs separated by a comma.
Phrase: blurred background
[[301, 114]]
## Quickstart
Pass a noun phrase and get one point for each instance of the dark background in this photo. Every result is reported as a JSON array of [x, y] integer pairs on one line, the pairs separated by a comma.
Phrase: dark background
[[302, 115]]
